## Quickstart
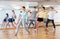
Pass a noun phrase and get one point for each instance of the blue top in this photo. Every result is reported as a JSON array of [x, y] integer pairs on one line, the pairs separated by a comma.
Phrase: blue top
[[24, 15]]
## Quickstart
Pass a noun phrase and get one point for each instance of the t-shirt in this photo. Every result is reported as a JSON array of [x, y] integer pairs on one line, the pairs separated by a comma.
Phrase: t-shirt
[[33, 15], [42, 14], [10, 16], [51, 14], [14, 16], [45, 14], [24, 15]]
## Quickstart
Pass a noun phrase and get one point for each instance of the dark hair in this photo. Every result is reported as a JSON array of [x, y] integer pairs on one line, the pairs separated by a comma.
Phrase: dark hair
[[43, 8], [23, 7], [51, 7], [7, 14]]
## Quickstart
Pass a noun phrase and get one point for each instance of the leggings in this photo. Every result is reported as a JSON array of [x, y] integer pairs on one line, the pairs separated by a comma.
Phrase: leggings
[[24, 24], [32, 22], [48, 20]]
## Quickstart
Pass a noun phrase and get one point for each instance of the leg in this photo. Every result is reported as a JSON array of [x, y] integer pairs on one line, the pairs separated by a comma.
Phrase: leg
[[13, 25], [53, 23], [17, 29], [43, 24], [29, 24], [34, 24], [37, 25], [7, 24], [26, 25], [4, 25], [47, 23], [23, 22]]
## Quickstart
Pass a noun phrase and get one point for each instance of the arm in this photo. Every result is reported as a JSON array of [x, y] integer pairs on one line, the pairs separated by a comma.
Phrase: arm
[[55, 11], [19, 18], [30, 15], [37, 16]]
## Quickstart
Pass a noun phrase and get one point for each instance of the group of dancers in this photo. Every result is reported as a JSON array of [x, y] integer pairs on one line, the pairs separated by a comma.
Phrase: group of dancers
[[28, 17]]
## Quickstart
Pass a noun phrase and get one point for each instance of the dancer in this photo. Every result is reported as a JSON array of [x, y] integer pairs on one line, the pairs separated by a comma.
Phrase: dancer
[[5, 20], [13, 16], [11, 19], [32, 19], [50, 17], [40, 17], [22, 18]]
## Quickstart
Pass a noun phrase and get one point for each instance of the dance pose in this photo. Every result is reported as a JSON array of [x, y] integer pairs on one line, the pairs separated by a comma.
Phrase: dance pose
[[40, 17], [50, 16], [11, 19], [32, 18], [22, 19], [13, 16], [5, 20]]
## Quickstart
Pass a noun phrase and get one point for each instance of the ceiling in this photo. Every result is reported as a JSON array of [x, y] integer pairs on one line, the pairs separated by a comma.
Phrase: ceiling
[[30, 0], [40, 2]]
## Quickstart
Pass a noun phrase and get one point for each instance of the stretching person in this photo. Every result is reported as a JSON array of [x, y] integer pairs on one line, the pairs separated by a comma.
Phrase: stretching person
[[5, 20], [22, 18], [13, 16], [50, 16], [11, 19], [32, 19], [40, 17]]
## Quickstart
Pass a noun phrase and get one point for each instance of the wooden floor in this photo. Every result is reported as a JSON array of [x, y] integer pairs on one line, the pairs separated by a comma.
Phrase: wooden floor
[[23, 34]]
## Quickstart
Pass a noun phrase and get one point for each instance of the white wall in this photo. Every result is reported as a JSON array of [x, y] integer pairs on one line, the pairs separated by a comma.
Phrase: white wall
[[57, 15], [7, 6]]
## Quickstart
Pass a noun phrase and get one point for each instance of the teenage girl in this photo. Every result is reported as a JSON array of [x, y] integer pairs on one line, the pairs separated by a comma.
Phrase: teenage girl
[[22, 19], [40, 17], [5, 20], [32, 19], [11, 19], [50, 16]]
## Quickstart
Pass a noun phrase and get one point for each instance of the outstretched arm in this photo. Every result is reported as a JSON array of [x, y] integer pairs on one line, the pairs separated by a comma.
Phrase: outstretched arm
[[56, 11]]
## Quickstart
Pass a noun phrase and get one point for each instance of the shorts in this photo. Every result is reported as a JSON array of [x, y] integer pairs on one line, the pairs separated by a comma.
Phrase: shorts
[[10, 20], [40, 19]]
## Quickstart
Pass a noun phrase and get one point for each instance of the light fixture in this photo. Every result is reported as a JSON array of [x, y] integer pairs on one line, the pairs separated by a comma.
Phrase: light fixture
[[15, 6], [46, 5]]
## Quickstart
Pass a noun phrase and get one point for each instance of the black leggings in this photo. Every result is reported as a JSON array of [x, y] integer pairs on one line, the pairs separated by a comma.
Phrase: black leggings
[[48, 20]]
